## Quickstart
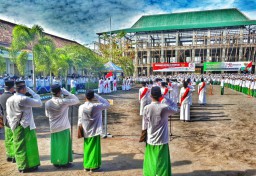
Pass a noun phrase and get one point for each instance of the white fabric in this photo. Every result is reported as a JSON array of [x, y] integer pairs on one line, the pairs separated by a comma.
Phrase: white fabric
[[19, 107], [185, 105], [114, 86], [155, 120], [145, 99], [73, 83], [90, 116], [101, 86], [202, 94], [56, 109]]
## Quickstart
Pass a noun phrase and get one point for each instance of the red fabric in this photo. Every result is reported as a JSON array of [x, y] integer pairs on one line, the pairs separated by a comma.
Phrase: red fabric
[[165, 91], [184, 95], [106, 85], [144, 93], [249, 65], [201, 88], [170, 84], [115, 84], [109, 74], [161, 99]]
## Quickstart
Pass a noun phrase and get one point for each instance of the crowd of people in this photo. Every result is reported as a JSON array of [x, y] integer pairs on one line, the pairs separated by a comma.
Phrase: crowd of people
[[159, 99]]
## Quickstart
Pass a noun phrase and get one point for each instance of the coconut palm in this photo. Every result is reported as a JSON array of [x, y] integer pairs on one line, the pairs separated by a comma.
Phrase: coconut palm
[[24, 39]]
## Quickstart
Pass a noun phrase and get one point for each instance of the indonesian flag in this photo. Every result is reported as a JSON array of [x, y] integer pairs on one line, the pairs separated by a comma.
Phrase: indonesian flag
[[109, 74], [249, 65]]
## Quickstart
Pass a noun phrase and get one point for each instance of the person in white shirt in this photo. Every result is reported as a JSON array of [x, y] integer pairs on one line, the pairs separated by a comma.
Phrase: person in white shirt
[[21, 121], [202, 92], [222, 85], [127, 84], [90, 118], [155, 122], [114, 85], [56, 109], [105, 86], [109, 86], [101, 86], [185, 101], [124, 84], [73, 83], [144, 98], [164, 90]]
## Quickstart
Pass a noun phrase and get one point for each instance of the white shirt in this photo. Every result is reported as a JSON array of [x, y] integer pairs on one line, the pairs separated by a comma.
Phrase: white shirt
[[155, 120], [73, 83], [90, 116], [57, 111], [19, 107]]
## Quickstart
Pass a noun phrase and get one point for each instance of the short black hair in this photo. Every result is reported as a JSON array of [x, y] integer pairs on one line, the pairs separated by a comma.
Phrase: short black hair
[[185, 84], [156, 92], [89, 94]]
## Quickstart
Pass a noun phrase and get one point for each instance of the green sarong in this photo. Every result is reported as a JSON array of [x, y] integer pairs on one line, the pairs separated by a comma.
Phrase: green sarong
[[222, 91], [92, 152], [254, 94], [157, 160], [73, 90], [8, 141], [26, 149], [61, 148]]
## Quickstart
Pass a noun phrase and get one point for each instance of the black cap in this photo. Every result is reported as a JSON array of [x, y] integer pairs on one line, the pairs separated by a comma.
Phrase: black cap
[[20, 83], [89, 94], [55, 88], [9, 84], [156, 92], [163, 84]]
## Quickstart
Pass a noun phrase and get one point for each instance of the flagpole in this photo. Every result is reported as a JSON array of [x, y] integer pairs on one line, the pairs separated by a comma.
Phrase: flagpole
[[110, 40]]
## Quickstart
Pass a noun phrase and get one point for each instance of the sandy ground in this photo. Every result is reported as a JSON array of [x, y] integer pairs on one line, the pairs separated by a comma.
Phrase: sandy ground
[[220, 140]]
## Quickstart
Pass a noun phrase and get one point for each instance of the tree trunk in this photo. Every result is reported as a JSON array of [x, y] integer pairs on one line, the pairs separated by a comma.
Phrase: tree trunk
[[34, 75]]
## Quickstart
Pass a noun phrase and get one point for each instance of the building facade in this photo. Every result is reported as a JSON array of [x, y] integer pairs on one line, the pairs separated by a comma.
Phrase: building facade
[[223, 35]]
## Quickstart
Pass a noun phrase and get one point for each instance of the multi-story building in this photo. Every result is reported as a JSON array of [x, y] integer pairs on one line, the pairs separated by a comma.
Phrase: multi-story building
[[222, 35]]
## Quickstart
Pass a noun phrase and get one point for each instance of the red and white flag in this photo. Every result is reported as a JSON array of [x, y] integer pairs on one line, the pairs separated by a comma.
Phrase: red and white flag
[[109, 74], [249, 66]]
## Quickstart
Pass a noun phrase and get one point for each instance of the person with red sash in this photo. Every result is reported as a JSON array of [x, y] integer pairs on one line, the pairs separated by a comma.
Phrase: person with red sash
[[101, 86], [114, 85], [185, 102], [164, 90], [144, 97], [202, 92], [109, 86], [155, 121], [105, 86]]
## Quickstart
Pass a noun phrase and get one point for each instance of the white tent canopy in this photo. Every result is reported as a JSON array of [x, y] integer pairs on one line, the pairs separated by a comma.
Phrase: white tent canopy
[[110, 66]]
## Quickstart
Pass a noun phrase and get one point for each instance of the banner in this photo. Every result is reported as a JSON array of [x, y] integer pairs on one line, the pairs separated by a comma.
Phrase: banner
[[174, 67], [225, 66]]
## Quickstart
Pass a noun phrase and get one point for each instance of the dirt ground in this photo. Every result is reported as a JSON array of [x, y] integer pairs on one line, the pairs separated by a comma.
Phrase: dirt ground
[[220, 140]]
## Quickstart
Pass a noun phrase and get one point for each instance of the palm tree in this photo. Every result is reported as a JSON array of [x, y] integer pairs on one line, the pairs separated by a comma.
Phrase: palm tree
[[25, 38]]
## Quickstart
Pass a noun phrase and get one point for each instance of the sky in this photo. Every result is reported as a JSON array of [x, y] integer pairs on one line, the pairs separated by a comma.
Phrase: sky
[[80, 20]]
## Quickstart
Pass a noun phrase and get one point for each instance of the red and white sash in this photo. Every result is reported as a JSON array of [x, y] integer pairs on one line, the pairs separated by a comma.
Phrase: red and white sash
[[165, 91], [143, 93], [201, 88], [184, 95], [161, 99]]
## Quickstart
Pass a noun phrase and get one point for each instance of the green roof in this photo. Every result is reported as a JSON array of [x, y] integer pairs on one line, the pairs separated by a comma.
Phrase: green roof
[[190, 20]]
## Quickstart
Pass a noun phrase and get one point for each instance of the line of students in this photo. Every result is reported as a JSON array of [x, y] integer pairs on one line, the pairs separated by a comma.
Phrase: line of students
[[20, 136], [240, 84], [104, 85]]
